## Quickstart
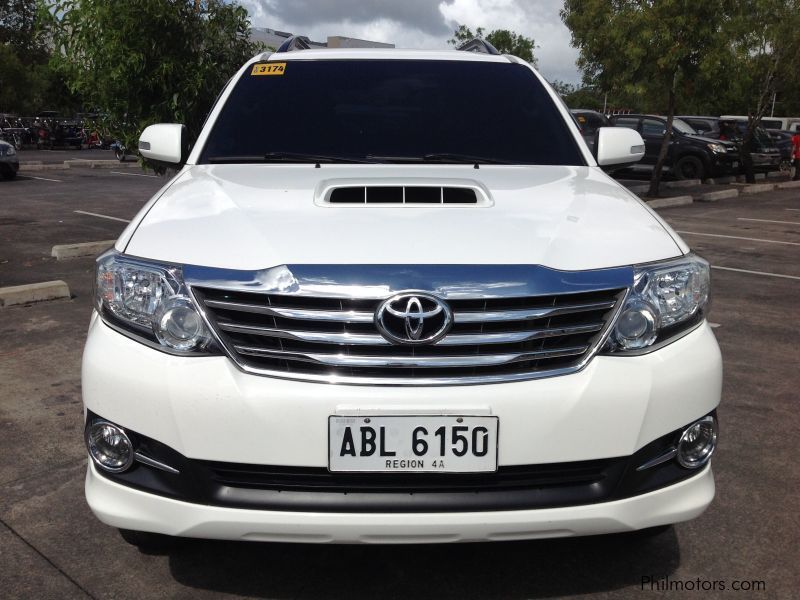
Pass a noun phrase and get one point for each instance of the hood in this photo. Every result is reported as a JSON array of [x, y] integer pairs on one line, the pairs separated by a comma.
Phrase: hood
[[712, 140], [258, 216]]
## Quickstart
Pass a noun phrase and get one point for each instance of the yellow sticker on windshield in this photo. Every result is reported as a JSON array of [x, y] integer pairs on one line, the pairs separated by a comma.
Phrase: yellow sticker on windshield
[[269, 69]]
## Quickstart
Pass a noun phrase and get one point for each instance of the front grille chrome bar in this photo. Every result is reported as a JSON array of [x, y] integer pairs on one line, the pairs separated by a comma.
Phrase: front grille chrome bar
[[374, 339], [295, 313], [367, 317], [416, 362], [528, 314]]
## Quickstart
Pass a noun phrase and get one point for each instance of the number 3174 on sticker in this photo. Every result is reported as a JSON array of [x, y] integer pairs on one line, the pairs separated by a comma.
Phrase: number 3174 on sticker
[[269, 69]]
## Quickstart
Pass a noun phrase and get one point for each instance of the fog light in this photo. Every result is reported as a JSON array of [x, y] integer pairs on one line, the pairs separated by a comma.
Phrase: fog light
[[109, 446], [697, 443]]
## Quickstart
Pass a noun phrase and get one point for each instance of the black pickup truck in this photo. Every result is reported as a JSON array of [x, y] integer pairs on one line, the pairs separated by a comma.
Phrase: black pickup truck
[[769, 150], [690, 155]]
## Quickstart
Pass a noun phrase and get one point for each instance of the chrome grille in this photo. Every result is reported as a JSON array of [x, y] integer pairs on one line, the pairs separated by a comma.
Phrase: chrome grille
[[334, 338]]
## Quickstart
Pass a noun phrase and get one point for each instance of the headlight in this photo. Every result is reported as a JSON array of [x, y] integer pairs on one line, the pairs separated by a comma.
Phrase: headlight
[[667, 299], [150, 301], [718, 148]]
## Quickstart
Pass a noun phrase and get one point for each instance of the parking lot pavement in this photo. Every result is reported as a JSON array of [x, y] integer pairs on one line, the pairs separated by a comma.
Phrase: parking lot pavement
[[52, 547], [59, 155]]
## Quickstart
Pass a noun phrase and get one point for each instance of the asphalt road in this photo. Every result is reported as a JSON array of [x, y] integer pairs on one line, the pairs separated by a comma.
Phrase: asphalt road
[[52, 547]]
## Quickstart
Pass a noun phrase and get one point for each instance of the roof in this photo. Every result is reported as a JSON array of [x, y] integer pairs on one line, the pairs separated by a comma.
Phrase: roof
[[383, 54]]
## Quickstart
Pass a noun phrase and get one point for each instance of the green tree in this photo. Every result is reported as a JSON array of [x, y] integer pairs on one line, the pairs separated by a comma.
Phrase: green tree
[[765, 36], [27, 84], [648, 49], [149, 61], [19, 30], [507, 42]]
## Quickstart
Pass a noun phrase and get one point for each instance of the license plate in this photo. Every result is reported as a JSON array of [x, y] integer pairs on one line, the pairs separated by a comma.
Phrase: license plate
[[412, 444]]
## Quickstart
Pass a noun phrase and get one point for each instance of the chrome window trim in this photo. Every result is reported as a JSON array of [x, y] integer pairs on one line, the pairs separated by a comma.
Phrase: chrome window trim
[[379, 282]]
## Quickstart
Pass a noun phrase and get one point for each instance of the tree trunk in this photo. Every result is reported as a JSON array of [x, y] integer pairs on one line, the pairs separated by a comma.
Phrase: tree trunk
[[766, 91], [746, 151], [655, 180]]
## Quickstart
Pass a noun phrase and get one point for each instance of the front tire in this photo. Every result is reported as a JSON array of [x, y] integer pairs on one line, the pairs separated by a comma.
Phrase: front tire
[[690, 167]]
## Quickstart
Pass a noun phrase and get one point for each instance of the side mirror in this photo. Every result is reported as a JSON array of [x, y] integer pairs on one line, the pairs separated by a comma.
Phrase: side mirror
[[618, 145], [164, 144]]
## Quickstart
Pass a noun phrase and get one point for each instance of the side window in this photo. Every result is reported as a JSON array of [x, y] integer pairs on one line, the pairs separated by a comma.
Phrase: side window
[[699, 126], [630, 123], [652, 127], [593, 122]]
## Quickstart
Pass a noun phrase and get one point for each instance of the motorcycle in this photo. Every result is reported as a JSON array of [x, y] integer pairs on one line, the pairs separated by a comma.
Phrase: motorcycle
[[120, 151]]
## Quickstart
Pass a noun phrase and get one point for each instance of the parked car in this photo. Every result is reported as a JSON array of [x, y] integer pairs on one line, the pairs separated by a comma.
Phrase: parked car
[[590, 121], [783, 142], [766, 155], [9, 161], [781, 123], [690, 156], [366, 322]]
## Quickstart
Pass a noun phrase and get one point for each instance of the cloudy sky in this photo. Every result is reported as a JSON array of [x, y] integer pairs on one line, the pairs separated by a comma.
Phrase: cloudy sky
[[425, 23]]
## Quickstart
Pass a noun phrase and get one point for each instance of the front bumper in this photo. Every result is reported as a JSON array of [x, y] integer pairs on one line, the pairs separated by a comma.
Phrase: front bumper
[[11, 166], [766, 161], [207, 410], [123, 507]]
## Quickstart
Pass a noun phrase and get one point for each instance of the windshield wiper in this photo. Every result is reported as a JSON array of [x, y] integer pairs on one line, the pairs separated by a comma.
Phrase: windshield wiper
[[441, 157], [290, 157]]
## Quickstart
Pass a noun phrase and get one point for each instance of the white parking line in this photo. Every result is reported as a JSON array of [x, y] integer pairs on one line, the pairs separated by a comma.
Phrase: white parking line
[[756, 272], [769, 221], [91, 214], [793, 209], [134, 174], [737, 237], [42, 178]]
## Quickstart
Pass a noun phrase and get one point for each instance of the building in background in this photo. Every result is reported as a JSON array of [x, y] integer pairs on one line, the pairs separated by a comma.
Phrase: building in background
[[274, 39]]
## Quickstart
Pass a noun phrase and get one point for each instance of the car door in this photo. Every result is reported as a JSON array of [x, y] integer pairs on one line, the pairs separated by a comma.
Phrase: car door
[[652, 131]]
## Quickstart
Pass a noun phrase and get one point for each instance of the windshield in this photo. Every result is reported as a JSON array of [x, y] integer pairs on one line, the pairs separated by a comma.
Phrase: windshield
[[391, 111], [683, 127]]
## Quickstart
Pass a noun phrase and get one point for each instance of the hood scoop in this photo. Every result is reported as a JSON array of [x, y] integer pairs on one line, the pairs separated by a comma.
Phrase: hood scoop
[[403, 195]]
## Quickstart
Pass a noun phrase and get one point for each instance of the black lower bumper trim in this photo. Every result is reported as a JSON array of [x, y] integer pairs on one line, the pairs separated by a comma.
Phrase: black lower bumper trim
[[300, 489]]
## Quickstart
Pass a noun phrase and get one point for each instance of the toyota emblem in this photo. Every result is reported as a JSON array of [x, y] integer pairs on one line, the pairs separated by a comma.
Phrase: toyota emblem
[[413, 318]]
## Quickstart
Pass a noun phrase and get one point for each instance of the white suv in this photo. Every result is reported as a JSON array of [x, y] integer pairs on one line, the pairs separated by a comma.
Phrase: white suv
[[391, 296]]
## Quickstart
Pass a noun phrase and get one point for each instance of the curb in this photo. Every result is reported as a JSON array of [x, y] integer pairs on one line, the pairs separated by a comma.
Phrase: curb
[[98, 164], [718, 195], [756, 176], [33, 292], [40, 167], [78, 163], [788, 185], [682, 183], [65, 251], [667, 202], [639, 189], [755, 188], [721, 180]]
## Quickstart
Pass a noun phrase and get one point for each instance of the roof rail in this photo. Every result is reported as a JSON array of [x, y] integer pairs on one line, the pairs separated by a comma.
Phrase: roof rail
[[478, 45], [294, 42]]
